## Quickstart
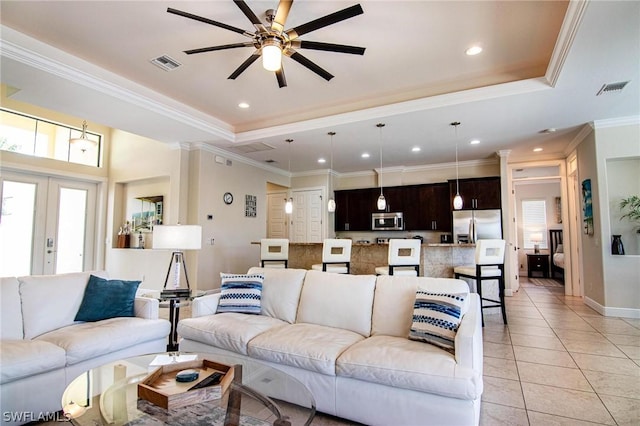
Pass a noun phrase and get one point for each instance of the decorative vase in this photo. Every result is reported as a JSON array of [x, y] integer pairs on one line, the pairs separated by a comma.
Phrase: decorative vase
[[616, 245]]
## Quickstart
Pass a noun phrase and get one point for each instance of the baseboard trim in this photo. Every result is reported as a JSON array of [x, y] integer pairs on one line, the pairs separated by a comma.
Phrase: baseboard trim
[[612, 312]]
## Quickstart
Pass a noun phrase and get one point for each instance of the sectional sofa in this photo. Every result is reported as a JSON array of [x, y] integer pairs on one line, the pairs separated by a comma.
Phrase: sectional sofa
[[346, 338], [42, 348]]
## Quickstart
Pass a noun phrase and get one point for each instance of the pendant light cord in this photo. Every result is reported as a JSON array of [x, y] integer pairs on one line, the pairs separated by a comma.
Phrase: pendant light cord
[[380, 126], [455, 125]]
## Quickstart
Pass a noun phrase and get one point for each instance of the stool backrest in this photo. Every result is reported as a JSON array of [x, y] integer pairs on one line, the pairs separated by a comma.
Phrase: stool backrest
[[274, 249], [404, 252], [336, 250], [490, 252]]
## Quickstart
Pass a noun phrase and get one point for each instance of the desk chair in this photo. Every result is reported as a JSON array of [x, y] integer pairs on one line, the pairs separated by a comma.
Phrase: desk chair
[[403, 258], [274, 253], [489, 266], [336, 256]]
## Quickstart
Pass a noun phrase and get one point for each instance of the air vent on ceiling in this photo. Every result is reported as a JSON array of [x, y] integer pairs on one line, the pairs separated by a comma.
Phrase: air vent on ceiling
[[612, 87], [166, 62], [270, 161], [252, 147]]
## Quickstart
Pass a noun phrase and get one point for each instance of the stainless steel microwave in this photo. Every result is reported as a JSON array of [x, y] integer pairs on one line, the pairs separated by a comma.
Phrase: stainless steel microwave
[[387, 222]]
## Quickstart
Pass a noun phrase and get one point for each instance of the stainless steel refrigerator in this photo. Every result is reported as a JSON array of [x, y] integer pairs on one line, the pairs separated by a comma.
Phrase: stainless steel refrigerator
[[472, 225]]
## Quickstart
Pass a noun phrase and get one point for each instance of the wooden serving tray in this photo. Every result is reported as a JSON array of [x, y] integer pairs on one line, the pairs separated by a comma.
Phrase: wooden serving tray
[[161, 388]]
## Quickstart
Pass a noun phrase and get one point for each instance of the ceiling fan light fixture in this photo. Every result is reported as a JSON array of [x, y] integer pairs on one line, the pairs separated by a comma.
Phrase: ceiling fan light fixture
[[272, 55]]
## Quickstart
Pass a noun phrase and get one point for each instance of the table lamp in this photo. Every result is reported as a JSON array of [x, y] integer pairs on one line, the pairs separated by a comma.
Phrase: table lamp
[[536, 239], [177, 238]]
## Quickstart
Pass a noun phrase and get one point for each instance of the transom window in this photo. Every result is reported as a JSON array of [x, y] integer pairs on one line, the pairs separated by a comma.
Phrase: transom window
[[41, 138]]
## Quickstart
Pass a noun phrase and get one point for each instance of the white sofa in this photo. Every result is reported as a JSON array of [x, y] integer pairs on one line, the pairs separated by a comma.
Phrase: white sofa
[[42, 348], [345, 338]]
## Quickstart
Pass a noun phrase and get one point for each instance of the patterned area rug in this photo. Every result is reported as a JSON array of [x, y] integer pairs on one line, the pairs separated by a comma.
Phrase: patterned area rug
[[545, 282]]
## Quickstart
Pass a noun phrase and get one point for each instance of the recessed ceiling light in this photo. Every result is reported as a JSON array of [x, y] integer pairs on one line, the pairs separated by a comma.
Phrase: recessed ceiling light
[[474, 142], [365, 155], [537, 149], [415, 149], [243, 105], [321, 160], [473, 50]]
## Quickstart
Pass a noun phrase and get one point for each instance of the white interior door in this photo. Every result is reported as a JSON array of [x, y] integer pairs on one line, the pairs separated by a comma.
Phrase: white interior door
[[47, 225], [277, 219], [307, 216]]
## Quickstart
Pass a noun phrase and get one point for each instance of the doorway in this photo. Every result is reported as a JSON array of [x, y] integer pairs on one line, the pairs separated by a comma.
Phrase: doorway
[[47, 225]]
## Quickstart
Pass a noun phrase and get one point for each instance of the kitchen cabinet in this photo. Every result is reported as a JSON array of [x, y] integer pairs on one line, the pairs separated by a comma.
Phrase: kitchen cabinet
[[426, 207], [354, 208], [477, 193]]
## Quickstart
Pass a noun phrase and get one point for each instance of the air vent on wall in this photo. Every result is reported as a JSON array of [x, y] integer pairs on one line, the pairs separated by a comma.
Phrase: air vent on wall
[[166, 62], [612, 87]]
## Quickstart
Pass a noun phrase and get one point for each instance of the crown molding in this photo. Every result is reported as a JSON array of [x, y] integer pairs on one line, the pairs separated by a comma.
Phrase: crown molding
[[568, 31], [86, 74], [633, 120], [235, 157]]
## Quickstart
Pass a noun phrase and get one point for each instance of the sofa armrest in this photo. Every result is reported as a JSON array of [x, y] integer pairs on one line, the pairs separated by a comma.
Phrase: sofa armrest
[[468, 341], [205, 305], [146, 307]]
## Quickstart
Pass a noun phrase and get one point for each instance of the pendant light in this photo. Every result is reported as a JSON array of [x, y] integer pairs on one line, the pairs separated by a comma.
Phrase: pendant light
[[457, 200], [331, 204], [288, 206], [382, 202], [83, 142]]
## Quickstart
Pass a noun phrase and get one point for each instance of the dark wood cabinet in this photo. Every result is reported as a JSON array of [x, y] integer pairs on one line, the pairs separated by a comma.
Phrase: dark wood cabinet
[[354, 208], [538, 263], [477, 193]]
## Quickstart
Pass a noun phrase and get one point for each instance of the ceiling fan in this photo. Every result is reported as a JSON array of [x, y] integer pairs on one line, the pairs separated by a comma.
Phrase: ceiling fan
[[271, 40]]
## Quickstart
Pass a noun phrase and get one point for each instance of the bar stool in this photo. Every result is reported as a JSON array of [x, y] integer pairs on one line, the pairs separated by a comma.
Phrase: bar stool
[[489, 266], [336, 256], [274, 253], [403, 258]]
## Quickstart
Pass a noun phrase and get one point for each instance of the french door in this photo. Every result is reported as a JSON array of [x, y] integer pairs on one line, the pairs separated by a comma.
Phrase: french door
[[47, 225]]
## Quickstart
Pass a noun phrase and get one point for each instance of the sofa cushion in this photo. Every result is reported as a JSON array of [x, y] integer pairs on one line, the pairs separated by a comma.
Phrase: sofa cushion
[[230, 331], [50, 302], [308, 346], [395, 296], [23, 358], [88, 340], [10, 309], [403, 363], [336, 300], [281, 292], [436, 317], [240, 293], [104, 299]]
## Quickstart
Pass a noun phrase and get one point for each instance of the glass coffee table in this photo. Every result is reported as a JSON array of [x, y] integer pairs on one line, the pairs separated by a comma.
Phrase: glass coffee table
[[258, 396]]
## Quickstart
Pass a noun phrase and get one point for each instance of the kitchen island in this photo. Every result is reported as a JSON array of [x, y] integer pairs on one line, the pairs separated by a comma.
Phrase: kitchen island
[[437, 259]]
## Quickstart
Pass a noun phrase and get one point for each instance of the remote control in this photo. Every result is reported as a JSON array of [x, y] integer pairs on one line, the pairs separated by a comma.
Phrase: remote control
[[212, 380]]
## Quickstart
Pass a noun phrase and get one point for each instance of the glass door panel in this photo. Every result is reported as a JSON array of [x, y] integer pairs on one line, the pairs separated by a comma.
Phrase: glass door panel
[[72, 213], [17, 228]]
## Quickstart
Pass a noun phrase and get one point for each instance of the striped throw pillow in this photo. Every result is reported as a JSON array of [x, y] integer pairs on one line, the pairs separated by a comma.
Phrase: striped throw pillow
[[240, 293], [436, 317]]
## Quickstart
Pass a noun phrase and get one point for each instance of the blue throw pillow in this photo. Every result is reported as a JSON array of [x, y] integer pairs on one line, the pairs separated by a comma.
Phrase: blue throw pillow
[[241, 293], [436, 317], [105, 299]]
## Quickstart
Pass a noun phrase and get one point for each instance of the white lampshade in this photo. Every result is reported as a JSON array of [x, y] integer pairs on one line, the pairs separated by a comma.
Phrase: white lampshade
[[457, 202], [288, 206], [177, 237], [271, 57], [536, 237], [382, 202], [331, 205]]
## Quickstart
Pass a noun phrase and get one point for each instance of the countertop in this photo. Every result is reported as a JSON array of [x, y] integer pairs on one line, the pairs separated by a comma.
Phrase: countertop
[[376, 244]]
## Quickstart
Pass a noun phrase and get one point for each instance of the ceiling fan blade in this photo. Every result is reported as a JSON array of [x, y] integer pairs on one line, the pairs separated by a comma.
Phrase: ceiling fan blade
[[281, 15], [311, 65], [221, 47], [209, 21], [333, 18], [328, 47], [251, 59], [282, 81], [248, 12]]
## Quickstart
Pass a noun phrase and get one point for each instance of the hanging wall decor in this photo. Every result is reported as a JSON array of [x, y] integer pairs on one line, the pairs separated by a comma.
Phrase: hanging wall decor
[[558, 206], [250, 205], [587, 207]]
